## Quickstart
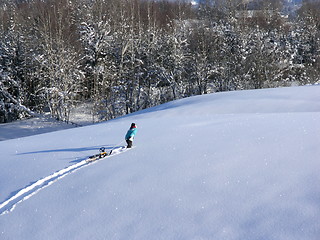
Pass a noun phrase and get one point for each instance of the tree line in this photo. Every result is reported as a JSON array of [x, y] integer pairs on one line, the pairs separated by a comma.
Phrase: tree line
[[126, 55]]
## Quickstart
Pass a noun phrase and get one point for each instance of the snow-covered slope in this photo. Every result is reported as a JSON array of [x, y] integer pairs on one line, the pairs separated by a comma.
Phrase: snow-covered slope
[[237, 165], [32, 126]]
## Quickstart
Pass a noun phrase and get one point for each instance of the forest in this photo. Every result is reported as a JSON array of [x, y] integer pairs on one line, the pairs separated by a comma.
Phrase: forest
[[121, 56]]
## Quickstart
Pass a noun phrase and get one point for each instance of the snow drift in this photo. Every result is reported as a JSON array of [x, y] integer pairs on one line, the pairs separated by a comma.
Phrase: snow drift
[[237, 165]]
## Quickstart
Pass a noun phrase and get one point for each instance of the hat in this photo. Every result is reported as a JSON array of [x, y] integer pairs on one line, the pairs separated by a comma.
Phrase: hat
[[133, 125]]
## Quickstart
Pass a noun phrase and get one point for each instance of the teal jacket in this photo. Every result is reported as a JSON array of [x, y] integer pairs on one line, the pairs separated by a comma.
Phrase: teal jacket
[[131, 133]]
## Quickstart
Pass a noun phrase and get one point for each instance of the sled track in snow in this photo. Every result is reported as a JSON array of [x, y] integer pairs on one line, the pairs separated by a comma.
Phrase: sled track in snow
[[32, 189]]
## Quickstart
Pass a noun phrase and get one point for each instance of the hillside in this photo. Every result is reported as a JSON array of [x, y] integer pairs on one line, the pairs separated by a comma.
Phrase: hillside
[[236, 165]]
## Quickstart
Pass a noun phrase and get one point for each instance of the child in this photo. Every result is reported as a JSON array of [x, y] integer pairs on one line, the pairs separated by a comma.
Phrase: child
[[130, 134]]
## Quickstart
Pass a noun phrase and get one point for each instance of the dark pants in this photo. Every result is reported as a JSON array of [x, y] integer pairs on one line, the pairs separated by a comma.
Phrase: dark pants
[[129, 143]]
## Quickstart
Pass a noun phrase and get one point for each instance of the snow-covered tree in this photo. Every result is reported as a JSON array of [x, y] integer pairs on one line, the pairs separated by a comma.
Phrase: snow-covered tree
[[12, 63], [124, 55], [57, 61], [309, 42]]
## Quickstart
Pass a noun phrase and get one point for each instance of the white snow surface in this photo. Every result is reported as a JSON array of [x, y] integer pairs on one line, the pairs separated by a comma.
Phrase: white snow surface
[[237, 166], [32, 126]]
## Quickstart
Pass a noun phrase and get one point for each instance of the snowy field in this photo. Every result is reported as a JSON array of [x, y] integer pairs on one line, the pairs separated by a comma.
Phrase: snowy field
[[29, 127], [234, 166], [79, 116]]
